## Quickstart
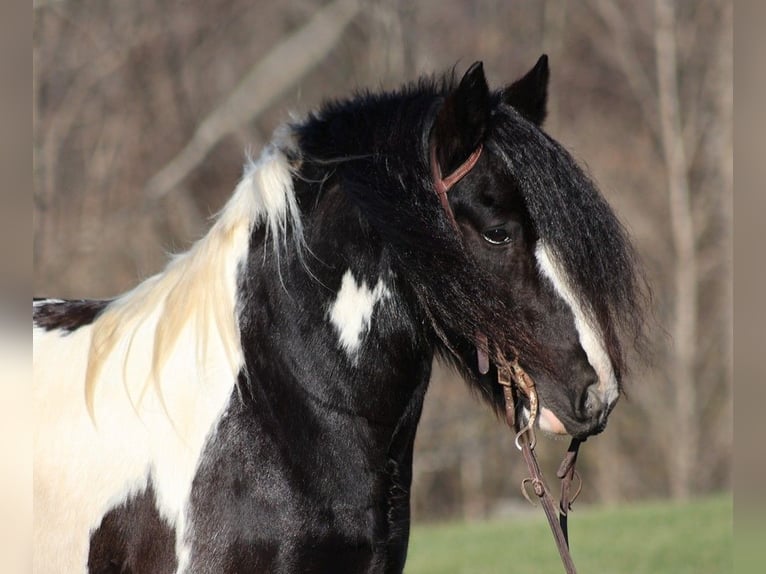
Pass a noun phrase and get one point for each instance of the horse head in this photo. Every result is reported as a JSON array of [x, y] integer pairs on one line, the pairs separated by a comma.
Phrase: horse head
[[548, 256]]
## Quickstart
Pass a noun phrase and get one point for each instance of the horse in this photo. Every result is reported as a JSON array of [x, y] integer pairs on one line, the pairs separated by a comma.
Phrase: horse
[[253, 407]]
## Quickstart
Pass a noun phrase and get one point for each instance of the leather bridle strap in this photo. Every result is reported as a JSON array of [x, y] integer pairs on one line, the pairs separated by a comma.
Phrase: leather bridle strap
[[443, 184], [546, 501], [566, 473], [513, 380]]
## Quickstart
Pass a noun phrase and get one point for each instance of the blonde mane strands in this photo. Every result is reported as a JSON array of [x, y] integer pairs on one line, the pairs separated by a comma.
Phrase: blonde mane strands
[[198, 288]]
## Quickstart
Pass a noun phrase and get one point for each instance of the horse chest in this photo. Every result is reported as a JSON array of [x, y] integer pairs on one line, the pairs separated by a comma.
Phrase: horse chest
[[262, 504]]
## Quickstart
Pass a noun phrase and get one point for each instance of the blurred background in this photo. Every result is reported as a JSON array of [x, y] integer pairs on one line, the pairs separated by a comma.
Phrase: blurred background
[[144, 110]]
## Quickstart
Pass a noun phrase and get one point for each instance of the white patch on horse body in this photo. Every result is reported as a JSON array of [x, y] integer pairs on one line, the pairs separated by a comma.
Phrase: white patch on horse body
[[351, 313], [135, 395], [590, 339]]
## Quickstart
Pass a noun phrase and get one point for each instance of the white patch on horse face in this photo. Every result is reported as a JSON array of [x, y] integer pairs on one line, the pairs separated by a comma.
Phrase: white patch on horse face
[[352, 310], [590, 339]]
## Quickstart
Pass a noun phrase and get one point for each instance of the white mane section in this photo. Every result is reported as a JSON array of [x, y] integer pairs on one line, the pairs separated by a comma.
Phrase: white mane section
[[158, 367], [197, 290], [590, 337]]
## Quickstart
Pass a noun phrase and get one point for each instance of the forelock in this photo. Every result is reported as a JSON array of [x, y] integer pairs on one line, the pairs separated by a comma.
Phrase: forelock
[[578, 226]]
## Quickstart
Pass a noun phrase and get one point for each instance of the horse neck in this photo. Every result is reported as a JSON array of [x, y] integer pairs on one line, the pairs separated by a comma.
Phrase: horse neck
[[333, 349]]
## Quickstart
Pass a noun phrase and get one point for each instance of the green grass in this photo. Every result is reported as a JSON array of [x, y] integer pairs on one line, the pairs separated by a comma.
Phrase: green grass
[[656, 538]]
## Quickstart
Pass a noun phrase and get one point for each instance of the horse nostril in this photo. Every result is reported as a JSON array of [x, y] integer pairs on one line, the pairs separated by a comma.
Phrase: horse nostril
[[592, 412], [592, 405]]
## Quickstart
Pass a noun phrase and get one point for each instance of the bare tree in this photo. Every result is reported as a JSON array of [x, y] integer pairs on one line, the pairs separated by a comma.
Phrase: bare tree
[[686, 297], [281, 67], [679, 120]]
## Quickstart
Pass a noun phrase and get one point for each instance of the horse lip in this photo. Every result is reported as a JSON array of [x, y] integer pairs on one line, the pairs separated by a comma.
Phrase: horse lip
[[600, 425], [592, 430], [553, 424], [546, 420], [598, 429], [578, 430]]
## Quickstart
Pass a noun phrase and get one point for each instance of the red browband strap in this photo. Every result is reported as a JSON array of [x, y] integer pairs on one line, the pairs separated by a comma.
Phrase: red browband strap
[[443, 184]]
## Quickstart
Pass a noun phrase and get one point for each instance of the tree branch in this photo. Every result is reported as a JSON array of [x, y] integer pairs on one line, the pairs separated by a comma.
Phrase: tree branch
[[635, 74], [281, 67], [684, 328]]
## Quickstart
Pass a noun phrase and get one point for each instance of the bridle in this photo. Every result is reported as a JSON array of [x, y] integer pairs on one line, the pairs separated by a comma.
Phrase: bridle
[[515, 382]]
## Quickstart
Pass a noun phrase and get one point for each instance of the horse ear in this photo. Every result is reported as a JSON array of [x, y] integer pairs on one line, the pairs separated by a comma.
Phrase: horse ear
[[462, 120], [529, 94]]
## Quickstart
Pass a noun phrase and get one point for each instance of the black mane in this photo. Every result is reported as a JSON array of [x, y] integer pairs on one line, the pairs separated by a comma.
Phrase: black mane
[[364, 146]]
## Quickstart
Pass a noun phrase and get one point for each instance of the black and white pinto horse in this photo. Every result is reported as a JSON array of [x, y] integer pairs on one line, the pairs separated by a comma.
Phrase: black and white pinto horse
[[253, 407]]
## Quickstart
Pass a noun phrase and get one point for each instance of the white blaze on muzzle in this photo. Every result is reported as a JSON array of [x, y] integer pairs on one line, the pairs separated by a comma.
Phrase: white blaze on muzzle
[[590, 338]]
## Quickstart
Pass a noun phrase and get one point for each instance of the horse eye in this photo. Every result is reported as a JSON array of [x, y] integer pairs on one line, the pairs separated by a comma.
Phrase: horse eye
[[496, 236]]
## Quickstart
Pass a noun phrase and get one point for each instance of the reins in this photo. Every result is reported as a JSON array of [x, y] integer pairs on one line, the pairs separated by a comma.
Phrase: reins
[[514, 380]]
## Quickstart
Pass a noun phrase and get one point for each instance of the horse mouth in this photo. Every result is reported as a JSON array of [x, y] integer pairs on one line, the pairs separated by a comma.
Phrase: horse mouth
[[546, 419], [549, 423]]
